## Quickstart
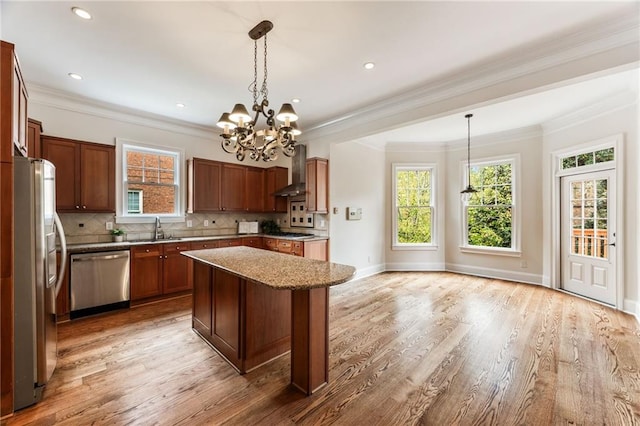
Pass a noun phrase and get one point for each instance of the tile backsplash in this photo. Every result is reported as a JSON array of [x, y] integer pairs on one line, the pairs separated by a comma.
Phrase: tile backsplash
[[82, 228]]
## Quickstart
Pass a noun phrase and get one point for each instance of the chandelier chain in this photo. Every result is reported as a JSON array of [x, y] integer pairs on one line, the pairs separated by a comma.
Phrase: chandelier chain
[[253, 87], [264, 90]]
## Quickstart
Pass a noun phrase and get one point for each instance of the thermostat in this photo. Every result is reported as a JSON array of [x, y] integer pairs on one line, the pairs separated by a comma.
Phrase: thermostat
[[354, 213]]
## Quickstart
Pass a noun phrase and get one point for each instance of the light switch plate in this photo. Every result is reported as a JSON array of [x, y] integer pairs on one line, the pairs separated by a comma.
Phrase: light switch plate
[[206, 222], [109, 226], [189, 223], [354, 213]]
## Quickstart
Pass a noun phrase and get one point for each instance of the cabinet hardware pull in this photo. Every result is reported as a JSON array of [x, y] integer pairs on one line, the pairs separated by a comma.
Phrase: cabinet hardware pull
[[77, 207], [147, 250], [84, 207]]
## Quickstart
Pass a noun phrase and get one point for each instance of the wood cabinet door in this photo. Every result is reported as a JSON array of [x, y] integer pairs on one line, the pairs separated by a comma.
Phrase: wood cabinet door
[[97, 178], [254, 189], [64, 154], [275, 178], [316, 250], [20, 112], [146, 271], [233, 187], [176, 268], [270, 244], [226, 311], [34, 130], [206, 185], [317, 185], [202, 302]]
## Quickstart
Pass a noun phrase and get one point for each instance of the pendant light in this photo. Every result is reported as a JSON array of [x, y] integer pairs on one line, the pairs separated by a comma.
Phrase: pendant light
[[466, 193]]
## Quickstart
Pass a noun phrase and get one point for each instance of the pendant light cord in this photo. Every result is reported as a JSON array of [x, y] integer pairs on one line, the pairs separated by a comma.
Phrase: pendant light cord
[[469, 149]]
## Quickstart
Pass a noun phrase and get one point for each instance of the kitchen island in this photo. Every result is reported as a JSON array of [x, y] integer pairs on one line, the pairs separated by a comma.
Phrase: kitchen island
[[254, 305]]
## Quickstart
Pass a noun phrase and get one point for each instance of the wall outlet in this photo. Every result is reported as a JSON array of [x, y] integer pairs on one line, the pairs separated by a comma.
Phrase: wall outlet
[[335, 210], [109, 226], [323, 224], [189, 223], [206, 222]]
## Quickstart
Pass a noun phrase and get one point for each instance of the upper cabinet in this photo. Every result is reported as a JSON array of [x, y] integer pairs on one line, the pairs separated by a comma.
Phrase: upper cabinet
[[225, 187], [233, 187], [275, 179], [317, 185], [14, 104], [254, 189], [34, 132], [204, 185], [85, 174]]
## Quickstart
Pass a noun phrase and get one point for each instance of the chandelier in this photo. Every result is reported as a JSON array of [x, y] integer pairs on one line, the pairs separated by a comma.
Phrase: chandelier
[[240, 135], [469, 190]]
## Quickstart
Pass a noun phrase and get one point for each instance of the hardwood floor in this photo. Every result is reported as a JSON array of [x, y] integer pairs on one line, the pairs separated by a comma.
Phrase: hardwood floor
[[405, 348]]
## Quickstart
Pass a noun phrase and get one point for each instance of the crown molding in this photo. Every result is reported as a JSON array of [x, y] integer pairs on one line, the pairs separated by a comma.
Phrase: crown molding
[[606, 106], [47, 96], [499, 138], [609, 44]]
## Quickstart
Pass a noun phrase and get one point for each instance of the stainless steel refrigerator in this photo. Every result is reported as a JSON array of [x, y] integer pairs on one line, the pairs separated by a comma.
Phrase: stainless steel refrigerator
[[37, 280]]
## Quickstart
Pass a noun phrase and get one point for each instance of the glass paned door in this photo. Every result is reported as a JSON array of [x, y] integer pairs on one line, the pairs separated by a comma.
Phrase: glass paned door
[[588, 235]]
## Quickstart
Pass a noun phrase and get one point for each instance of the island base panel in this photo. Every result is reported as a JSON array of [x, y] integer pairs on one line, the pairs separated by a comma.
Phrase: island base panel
[[309, 339]]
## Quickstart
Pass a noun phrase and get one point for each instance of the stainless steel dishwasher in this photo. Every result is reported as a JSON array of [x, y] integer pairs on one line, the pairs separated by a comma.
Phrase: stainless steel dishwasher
[[99, 282]]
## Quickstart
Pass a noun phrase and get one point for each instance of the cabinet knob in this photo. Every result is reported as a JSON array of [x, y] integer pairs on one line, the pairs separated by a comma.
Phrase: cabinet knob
[[177, 248], [166, 257], [84, 207], [147, 250], [77, 207], [160, 256]]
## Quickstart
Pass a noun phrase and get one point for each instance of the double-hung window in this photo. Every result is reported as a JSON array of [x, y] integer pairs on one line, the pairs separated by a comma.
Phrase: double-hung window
[[150, 182], [413, 207], [489, 215]]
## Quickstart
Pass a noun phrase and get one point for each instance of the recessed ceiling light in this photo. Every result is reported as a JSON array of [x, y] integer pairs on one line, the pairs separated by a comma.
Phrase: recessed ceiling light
[[75, 76], [369, 65], [295, 100], [81, 13], [180, 105]]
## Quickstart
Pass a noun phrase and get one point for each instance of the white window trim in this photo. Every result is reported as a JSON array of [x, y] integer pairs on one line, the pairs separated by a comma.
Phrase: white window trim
[[395, 245], [515, 250], [121, 193]]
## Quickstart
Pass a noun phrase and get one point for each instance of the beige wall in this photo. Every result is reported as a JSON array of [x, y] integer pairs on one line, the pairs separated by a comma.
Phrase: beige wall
[[357, 179]]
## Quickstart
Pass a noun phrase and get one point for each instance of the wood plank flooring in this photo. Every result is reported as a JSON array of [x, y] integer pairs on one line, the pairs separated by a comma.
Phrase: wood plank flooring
[[405, 348]]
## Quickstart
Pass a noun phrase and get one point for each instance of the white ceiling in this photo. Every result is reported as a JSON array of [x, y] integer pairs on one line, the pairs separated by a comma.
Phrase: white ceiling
[[149, 55]]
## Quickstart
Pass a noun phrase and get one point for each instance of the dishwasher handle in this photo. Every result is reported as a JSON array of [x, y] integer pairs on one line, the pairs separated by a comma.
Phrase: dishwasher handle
[[100, 257]]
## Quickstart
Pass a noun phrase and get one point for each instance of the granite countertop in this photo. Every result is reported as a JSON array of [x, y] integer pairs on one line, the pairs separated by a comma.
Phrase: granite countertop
[[276, 270], [111, 246]]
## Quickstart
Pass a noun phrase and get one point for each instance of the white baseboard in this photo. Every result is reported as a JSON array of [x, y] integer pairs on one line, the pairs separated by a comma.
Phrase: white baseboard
[[368, 271], [500, 274], [415, 266], [632, 307]]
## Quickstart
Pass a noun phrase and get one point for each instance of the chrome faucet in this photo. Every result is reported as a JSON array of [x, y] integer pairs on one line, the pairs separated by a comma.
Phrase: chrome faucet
[[158, 233]]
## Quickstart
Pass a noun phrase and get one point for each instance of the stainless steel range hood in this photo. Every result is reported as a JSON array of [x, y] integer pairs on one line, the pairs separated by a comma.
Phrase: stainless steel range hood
[[298, 172]]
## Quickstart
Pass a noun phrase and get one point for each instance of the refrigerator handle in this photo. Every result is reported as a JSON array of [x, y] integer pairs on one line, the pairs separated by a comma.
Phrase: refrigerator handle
[[63, 252]]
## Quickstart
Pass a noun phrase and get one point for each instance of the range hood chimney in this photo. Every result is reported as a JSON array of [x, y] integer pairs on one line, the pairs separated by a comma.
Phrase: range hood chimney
[[298, 172]]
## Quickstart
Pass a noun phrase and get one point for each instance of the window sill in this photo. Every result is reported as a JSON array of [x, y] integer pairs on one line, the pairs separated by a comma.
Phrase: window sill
[[491, 251], [149, 219], [415, 247]]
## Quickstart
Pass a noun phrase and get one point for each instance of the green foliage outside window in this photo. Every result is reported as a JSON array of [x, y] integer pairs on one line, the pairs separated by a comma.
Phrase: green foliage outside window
[[490, 210], [413, 204]]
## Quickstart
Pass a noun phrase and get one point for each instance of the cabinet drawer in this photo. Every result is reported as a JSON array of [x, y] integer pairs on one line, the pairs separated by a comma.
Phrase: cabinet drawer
[[176, 247], [230, 243], [298, 248], [271, 244], [146, 250], [201, 245], [285, 246]]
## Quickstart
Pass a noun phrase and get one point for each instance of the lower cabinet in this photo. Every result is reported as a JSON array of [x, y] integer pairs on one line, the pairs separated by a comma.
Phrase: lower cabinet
[[249, 324], [316, 249], [159, 269]]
